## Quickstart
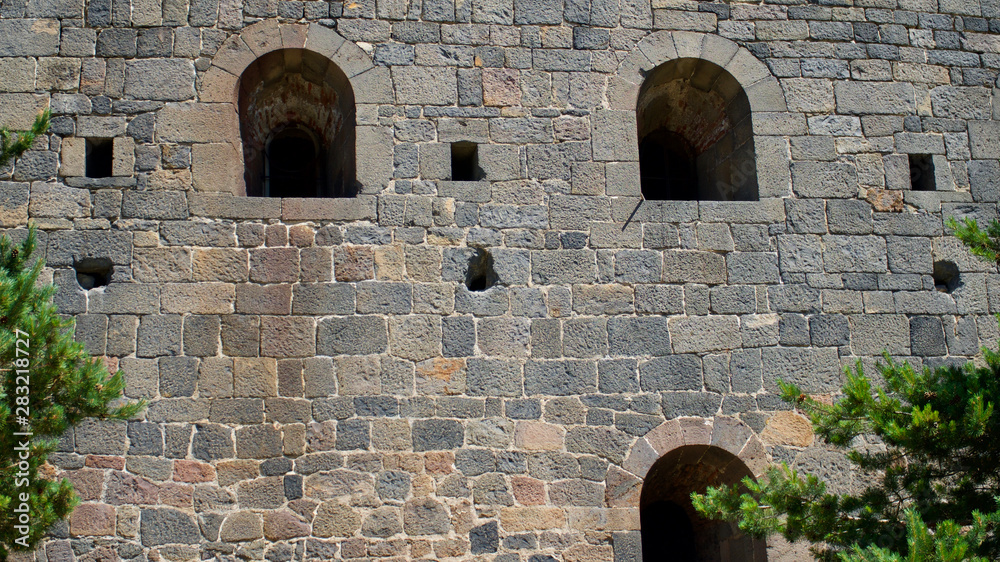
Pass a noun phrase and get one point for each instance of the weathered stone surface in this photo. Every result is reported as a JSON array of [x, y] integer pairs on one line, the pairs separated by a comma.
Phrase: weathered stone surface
[[160, 79], [349, 378], [788, 428], [167, 526]]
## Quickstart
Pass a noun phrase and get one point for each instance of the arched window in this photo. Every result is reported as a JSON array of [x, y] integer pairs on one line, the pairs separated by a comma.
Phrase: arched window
[[671, 529], [695, 134], [297, 122]]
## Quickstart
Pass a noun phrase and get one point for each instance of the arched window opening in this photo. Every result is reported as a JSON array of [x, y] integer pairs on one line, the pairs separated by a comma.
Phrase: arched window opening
[[297, 122], [695, 134], [672, 529]]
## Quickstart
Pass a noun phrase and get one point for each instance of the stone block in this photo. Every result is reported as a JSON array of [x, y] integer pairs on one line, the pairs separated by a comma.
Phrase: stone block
[[29, 38], [559, 378], [216, 167], [563, 266], [159, 79], [425, 85], [437, 435], [871, 334], [812, 369], [197, 123], [614, 136], [255, 377], [866, 98], [167, 526], [357, 335], [51, 200], [689, 266], [854, 254], [201, 298]]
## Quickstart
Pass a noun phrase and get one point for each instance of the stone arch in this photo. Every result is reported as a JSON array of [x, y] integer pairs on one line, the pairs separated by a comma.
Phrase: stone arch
[[615, 131], [679, 456], [370, 85]]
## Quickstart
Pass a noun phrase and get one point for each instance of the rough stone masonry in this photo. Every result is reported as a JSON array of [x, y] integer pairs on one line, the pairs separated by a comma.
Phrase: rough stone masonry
[[322, 381]]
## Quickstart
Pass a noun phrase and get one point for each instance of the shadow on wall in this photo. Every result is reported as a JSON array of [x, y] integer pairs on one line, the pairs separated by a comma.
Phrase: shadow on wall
[[695, 134], [297, 120]]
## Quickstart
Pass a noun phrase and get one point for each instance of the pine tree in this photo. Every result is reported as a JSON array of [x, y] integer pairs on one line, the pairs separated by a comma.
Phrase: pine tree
[[48, 383], [933, 492]]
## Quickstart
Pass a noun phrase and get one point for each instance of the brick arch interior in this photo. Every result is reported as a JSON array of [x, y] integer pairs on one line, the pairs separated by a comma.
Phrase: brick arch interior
[[300, 89], [671, 529], [695, 134]]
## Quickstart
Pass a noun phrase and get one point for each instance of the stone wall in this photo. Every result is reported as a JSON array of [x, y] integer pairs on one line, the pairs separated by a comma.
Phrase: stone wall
[[323, 385]]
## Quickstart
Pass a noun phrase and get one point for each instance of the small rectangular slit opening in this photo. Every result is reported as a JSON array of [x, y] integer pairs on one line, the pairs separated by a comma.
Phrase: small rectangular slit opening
[[922, 172], [465, 161], [100, 154]]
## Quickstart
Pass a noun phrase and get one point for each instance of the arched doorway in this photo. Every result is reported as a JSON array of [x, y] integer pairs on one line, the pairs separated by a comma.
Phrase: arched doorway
[[297, 121], [671, 529], [695, 134]]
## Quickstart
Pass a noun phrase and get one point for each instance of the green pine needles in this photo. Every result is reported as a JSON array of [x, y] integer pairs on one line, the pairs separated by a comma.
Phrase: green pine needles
[[49, 383], [932, 486], [14, 143], [982, 243]]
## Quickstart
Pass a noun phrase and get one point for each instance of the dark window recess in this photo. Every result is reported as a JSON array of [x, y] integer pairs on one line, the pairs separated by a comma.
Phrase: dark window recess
[[677, 539], [465, 162], [946, 276], [93, 272], [667, 168], [100, 154], [922, 172], [481, 275], [293, 166], [297, 123], [695, 132]]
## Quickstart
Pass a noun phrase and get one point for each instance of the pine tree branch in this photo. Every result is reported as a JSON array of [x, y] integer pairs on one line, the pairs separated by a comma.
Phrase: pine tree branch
[[14, 143]]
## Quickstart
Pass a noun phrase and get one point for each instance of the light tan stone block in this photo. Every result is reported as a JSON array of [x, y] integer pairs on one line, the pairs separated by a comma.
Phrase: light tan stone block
[[788, 428], [93, 520], [17, 74], [255, 377], [123, 162], [198, 122], [73, 157], [224, 265], [389, 262], [177, 180], [200, 298], [217, 167], [538, 436], [18, 111]]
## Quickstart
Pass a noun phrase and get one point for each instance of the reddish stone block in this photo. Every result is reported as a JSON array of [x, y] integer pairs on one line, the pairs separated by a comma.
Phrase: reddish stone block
[[441, 462], [528, 491], [92, 520], [354, 263], [125, 489], [87, 483], [282, 525], [102, 461], [193, 471]]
